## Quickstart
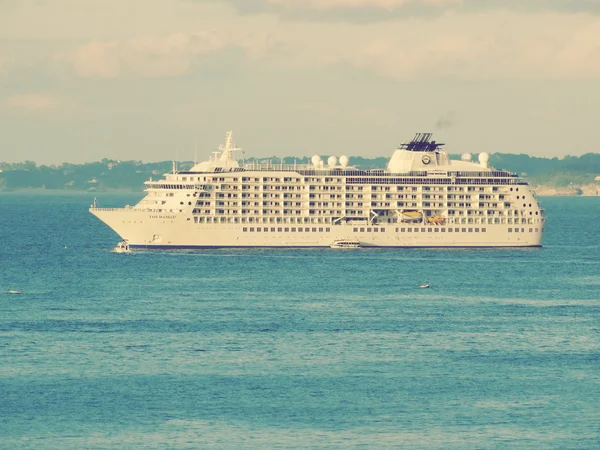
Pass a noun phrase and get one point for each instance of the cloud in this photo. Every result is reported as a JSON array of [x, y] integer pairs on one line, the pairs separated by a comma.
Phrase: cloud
[[34, 102], [377, 10], [480, 46], [155, 56], [490, 44], [580, 53], [387, 5], [147, 56], [458, 46], [360, 11], [98, 60], [436, 57]]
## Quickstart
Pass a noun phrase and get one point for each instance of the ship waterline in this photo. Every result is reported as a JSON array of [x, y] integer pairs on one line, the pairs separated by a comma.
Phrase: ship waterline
[[422, 199]]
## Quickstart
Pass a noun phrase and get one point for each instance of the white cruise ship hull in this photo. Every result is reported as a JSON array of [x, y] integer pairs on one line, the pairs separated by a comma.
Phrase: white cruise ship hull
[[149, 230], [422, 199]]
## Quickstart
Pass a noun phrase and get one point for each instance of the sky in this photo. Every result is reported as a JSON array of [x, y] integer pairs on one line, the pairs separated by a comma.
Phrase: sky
[[156, 80]]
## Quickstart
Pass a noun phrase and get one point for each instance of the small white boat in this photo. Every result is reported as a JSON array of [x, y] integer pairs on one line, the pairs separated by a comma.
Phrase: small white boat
[[424, 286], [122, 247], [15, 291], [345, 244]]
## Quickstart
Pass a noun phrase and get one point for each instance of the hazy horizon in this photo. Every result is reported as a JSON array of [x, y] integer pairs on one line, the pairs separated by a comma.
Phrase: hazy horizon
[[274, 159], [157, 80]]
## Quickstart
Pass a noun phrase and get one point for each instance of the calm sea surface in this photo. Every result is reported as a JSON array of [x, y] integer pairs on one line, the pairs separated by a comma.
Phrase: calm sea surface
[[294, 348]]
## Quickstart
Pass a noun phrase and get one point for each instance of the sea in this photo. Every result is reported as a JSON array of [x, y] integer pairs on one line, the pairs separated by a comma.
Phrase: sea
[[294, 349]]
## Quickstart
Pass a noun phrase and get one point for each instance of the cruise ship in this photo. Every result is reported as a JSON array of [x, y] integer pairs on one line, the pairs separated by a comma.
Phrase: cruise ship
[[421, 199]]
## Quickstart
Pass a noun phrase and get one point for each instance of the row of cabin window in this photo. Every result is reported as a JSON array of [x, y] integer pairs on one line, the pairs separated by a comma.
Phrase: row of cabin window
[[285, 230], [400, 182], [449, 230], [368, 230], [257, 220], [439, 230]]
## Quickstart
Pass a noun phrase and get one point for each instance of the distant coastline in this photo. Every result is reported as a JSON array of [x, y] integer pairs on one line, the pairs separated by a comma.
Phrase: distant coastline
[[590, 190], [45, 191], [569, 176]]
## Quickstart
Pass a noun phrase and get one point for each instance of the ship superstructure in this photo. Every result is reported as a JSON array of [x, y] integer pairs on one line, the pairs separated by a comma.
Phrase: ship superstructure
[[422, 199]]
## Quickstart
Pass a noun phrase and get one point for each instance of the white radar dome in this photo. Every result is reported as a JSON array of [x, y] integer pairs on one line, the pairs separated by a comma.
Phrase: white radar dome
[[332, 161], [466, 157], [316, 160], [484, 159], [344, 160]]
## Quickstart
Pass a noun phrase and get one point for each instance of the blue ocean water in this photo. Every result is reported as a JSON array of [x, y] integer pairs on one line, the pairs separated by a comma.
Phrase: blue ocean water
[[294, 348]]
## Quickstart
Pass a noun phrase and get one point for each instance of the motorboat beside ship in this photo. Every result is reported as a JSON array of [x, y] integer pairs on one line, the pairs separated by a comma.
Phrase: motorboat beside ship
[[346, 244], [122, 247]]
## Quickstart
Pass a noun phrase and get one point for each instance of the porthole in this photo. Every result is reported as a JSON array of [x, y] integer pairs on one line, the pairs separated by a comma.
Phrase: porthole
[[426, 159], [517, 197]]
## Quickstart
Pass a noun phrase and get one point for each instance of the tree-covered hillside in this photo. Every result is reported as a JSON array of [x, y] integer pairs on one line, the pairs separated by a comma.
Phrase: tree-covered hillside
[[578, 170]]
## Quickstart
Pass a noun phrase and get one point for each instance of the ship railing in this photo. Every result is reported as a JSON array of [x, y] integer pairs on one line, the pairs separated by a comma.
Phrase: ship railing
[[111, 209], [274, 167], [153, 185], [306, 169], [478, 174]]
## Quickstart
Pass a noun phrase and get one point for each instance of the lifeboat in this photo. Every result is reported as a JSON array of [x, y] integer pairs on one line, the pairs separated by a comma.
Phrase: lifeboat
[[436, 220], [411, 215]]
